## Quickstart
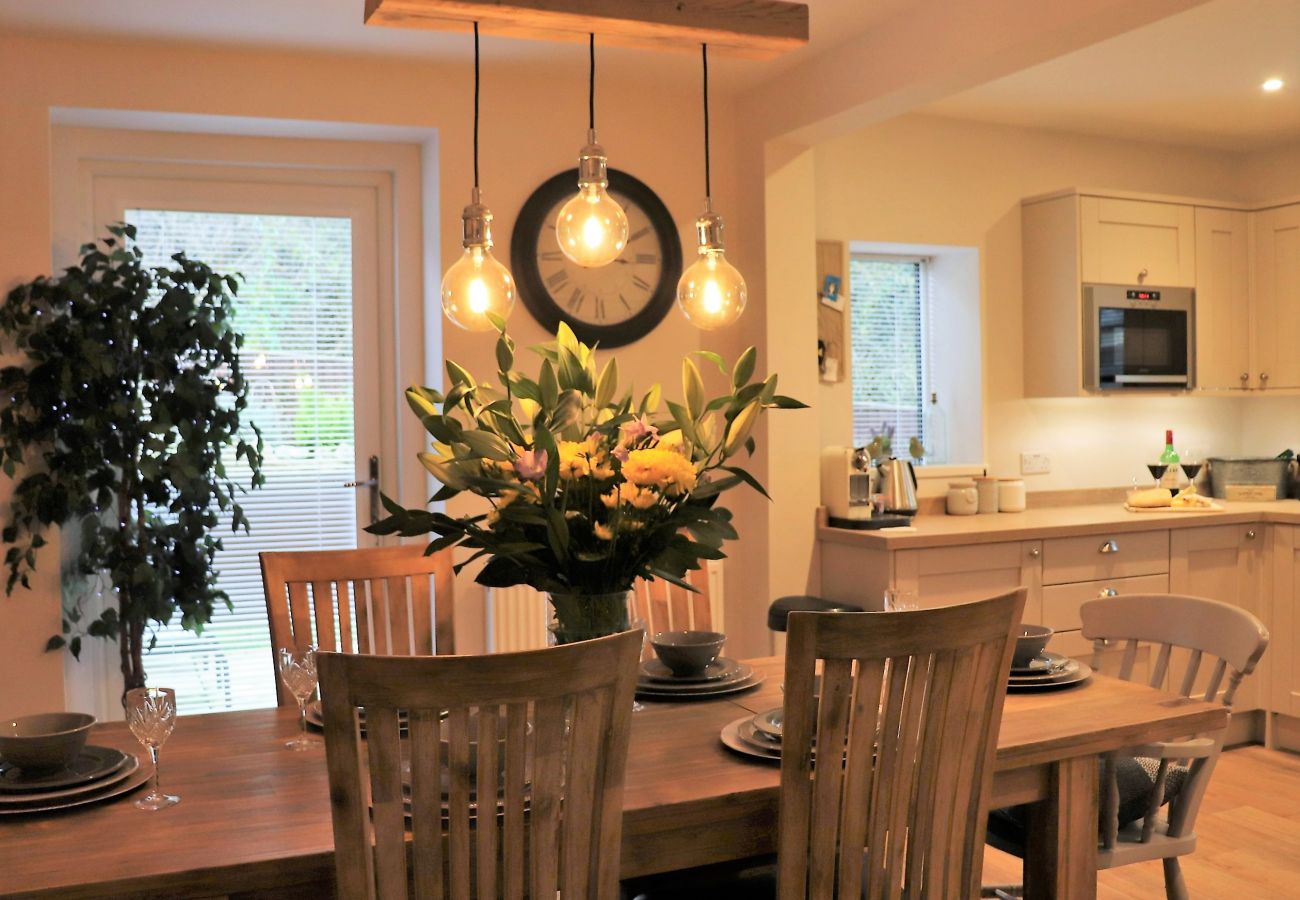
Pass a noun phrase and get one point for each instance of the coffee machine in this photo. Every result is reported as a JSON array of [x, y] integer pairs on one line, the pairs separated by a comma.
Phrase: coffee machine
[[851, 482]]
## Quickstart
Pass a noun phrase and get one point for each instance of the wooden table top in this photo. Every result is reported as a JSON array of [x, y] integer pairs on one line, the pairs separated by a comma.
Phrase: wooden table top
[[253, 813]]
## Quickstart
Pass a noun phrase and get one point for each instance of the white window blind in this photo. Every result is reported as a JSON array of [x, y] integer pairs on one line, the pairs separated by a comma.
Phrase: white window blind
[[887, 303], [295, 311]]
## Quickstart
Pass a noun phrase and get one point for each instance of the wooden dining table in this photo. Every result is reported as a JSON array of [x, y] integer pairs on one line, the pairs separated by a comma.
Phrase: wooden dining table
[[254, 818]]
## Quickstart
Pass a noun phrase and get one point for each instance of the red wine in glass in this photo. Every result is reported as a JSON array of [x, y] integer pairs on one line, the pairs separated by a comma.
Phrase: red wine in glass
[[1191, 470], [1157, 471]]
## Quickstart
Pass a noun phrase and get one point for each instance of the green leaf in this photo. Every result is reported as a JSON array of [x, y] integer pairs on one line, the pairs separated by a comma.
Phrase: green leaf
[[505, 353], [486, 444], [744, 368], [692, 388], [459, 374], [782, 402], [607, 383], [715, 358], [748, 479], [549, 385], [54, 643], [650, 402], [740, 427]]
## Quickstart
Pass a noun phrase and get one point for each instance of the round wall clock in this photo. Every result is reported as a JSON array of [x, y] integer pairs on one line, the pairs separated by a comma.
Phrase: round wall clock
[[614, 304]]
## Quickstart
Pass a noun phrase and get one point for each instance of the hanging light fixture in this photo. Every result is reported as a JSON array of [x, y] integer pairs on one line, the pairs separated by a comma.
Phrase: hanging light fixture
[[592, 227], [477, 286], [711, 292]]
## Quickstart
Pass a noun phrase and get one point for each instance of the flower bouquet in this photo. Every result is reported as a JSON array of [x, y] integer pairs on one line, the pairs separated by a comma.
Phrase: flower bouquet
[[587, 489]]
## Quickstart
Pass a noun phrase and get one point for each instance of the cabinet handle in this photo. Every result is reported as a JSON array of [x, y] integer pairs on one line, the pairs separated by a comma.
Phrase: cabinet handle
[[1245, 377], [1263, 379], [1142, 276], [1250, 535], [1035, 552], [1109, 547], [1108, 592]]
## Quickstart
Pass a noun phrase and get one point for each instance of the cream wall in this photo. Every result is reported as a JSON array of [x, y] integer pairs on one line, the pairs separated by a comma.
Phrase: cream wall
[[922, 179], [528, 133]]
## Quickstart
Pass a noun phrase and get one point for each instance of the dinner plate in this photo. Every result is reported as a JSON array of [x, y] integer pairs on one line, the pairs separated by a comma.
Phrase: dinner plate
[[1044, 663], [730, 737], [651, 691], [770, 722], [1069, 668], [316, 719], [93, 764], [756, 739], [722, 667], [126, 770], [138, 778], [742, 673], [1083, 673]]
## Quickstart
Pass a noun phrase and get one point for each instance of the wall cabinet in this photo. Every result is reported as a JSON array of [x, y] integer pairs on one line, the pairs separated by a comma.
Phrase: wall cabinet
[[1223, 301], [1136, 242], [1277, 297]]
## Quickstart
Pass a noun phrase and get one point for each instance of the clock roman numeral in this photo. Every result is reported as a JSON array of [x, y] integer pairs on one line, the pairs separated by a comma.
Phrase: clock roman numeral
[[600, 307], [551, 256], [575, 301], [646, 259], [641, 282], [638, 234], [626, 305], [556, 279]]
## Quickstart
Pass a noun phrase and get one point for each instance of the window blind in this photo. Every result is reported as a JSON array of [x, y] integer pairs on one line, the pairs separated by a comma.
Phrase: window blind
[[295, 311], [887, 318]]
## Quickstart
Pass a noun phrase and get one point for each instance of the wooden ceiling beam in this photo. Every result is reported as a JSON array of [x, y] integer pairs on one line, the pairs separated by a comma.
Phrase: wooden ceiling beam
[[754, 29]]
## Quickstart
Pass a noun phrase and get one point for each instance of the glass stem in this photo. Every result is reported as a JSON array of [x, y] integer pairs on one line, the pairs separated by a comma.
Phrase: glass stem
[[302, 717], [153, 755]]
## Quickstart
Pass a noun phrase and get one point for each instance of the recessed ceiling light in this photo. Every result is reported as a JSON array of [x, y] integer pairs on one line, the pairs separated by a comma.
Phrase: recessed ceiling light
[[1273, 84]]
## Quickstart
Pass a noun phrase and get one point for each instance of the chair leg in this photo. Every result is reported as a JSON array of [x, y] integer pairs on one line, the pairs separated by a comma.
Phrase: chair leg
[[1175, 886]]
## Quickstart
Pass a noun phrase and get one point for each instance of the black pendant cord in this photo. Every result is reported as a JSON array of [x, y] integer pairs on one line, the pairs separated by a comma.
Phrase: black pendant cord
[[704, 52], [591, 82], [476, 106]]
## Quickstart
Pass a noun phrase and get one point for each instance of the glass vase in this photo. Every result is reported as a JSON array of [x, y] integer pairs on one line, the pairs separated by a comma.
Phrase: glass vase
[[581, 617]]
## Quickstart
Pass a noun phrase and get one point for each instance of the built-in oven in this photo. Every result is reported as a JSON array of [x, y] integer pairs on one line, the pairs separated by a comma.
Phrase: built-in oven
[[1138, 337]]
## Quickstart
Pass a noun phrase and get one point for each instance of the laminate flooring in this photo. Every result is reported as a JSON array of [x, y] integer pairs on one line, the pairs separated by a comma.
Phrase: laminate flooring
[[1248, 837]]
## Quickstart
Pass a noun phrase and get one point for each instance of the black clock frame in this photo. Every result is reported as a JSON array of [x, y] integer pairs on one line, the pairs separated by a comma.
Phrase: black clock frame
[[529, 227]]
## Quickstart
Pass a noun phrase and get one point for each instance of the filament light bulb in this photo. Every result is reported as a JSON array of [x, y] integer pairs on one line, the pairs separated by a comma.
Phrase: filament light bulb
[[477, 286], [592, 227], [711, 292]]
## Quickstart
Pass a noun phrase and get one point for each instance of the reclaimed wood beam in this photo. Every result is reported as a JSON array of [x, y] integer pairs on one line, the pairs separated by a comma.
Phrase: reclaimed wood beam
[[754, 29]]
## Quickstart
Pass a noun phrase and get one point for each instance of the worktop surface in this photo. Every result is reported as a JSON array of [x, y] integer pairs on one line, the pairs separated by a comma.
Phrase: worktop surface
[[938, 530]]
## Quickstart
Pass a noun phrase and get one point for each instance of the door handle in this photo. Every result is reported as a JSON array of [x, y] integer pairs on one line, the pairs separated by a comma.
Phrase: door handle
[[371, 484], [1250, 535], [1108, 592], [1109, 547]]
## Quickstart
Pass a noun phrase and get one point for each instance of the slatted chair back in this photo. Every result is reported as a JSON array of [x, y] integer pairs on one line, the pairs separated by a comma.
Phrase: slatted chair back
[[545, 731], [664, 606], [398, 601], [904, 730], [1224, 641]]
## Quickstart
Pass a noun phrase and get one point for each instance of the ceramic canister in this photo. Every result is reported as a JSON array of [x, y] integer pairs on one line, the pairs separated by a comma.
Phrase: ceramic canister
[[963, 499], [987, 487], [1011, 495]]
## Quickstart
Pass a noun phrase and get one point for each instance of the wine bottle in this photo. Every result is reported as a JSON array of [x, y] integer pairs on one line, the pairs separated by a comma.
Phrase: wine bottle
[[1170, 459]]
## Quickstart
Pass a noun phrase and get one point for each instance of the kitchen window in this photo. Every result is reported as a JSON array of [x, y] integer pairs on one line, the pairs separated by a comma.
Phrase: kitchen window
[[889, 314]]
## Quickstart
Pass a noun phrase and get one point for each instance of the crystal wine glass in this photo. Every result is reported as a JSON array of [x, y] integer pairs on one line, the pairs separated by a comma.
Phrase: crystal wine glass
[[1191, 465], [298, 672], [901, 601], [1157, 471], [151, 715]]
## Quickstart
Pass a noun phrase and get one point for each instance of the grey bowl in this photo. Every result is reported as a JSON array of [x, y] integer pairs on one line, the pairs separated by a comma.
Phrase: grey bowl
[[44, 742], [688, 653], [1030, 643]]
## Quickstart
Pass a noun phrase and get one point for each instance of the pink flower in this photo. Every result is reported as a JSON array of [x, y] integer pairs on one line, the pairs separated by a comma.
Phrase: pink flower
[[620, 453], [531, 465], [636, 429]]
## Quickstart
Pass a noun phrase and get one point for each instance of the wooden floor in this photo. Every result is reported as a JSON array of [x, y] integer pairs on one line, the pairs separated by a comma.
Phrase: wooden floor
[[1248, 837]]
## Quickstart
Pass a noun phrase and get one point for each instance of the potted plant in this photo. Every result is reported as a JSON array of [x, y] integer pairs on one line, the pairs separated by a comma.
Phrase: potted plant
[[587, 489], [127, 395]]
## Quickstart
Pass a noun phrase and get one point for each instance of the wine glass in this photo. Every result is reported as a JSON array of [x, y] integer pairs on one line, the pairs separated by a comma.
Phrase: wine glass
[[298, 672], [151, 715], [901, 601], [1157, 470], [1191, 465]]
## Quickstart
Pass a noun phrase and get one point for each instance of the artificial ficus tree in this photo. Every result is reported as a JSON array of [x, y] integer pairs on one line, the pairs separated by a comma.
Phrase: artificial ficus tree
[[126, 391]]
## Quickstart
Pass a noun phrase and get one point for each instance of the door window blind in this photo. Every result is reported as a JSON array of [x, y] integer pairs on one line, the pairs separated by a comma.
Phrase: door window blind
[[295, 311], [887, 297]]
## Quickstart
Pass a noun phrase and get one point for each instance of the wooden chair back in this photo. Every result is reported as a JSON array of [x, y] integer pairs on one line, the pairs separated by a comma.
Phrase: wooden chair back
[[552, 740], [383, 594], [905, 729], [666, 607], [1232, 641]]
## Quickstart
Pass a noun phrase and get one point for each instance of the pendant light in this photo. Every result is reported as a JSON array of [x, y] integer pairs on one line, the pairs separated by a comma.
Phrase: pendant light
[[477, 286], [711, 292], [592, 227]]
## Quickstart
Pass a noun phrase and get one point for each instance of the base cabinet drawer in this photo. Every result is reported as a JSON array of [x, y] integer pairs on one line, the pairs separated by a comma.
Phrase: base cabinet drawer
[[1075, 645], [1061, 602], [1103, 556]]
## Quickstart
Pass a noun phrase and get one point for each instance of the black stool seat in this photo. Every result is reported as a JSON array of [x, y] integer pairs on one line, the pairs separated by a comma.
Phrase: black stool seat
[[781, 607]]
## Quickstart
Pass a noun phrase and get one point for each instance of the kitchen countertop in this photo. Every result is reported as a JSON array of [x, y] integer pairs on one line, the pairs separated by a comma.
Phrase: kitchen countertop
[[938, 530]]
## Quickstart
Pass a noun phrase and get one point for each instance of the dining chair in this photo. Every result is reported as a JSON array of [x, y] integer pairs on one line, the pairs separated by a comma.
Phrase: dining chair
[[1224, 644], [914, 700], [543, 733], [377, 600], [664, 606]]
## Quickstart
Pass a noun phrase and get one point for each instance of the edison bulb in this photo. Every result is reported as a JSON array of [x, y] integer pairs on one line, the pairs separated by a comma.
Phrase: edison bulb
[[475, 286], [711, 292], [592, 227]]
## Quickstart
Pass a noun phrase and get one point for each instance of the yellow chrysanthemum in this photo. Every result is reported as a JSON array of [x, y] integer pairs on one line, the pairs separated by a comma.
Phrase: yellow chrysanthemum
[[630, 495], [604, 532], [674, 441], [666, 470], [575, 460]]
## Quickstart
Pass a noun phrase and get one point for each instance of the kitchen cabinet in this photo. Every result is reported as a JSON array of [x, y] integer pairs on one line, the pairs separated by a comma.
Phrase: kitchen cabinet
[[1277, 297], [1223, 301], [1137, 242], [945, 576], [1283, 655], [1225, 563]]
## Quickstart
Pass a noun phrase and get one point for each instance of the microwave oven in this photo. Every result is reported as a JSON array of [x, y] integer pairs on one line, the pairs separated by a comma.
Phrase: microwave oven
[[1138, 337]]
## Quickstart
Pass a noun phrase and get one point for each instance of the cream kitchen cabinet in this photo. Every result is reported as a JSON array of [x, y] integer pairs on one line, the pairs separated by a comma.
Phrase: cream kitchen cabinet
[[1136, 242], [1283, 655], [1276, 348], [1223, 301], [1225, 563], [944, 576]]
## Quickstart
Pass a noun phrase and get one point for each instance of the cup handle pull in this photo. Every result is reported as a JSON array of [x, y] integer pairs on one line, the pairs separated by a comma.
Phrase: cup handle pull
[[1109, 547]]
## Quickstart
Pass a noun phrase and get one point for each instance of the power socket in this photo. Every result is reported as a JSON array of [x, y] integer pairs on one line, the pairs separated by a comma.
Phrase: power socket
[[1035, 464]]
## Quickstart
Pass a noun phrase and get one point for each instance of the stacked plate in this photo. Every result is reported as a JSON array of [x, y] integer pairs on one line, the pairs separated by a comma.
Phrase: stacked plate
[[98, 773], [758, 735], [1048, 672], [722, 676]]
